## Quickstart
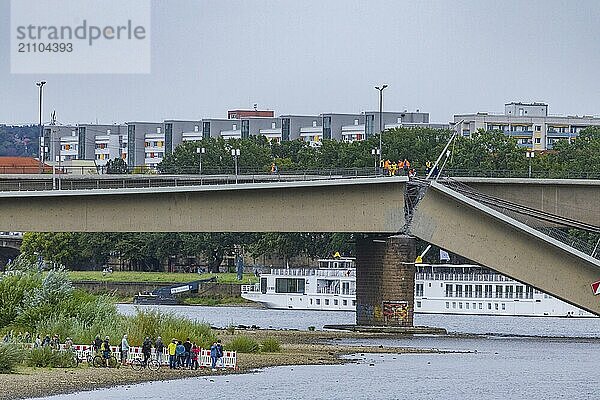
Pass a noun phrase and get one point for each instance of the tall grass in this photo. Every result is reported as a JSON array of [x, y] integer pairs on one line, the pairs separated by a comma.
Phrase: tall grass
[[10, 356], [47, 357], [270, 345], [243, 344]]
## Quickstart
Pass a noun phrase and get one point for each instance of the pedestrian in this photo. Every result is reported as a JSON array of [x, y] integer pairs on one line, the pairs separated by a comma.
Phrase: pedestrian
[[147, 349], [159, 347], [55, 342], [220, 354], [406, 165], [428, 166], [46, 341], [124, 349], [97, 343], [195, 354], [393, 169], [38, 341], [105, 348], [68, 343], [213, 356], [180, 353], [187, 355], [172, 353]]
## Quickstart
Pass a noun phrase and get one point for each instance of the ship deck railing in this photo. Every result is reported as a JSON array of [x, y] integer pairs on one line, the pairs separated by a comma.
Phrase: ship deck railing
[[463, 277], [314, 272]]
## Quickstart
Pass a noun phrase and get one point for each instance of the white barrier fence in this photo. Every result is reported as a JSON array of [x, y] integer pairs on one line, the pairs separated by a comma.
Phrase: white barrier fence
[[229, 359]]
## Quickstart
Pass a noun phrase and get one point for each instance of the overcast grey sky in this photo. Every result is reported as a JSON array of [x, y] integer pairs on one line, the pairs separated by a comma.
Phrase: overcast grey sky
[[312, 56]]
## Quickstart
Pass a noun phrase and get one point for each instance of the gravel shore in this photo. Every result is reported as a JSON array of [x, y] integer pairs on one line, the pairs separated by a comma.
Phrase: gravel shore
[[298, 348]]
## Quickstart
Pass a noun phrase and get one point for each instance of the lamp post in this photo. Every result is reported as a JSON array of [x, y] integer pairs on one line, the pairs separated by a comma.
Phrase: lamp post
[[375, 153], [41, 86], [530, 155], [235, 153], [380, 88], [200, 151]]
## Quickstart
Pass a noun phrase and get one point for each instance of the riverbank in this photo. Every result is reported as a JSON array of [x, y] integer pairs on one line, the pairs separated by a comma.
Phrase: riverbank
[[298, 348]]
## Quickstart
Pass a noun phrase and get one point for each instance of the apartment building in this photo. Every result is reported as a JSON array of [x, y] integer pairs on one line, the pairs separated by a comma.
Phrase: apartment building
[[529, 123]]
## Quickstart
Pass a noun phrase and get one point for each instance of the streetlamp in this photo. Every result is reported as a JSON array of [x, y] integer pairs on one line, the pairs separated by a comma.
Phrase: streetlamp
[[41, 86], [235, 154], [530, 155], [380, 116], [200, 151], [375, 153]]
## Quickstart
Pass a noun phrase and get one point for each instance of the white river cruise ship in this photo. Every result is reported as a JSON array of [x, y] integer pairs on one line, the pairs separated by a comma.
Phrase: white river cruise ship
[[439, 289]]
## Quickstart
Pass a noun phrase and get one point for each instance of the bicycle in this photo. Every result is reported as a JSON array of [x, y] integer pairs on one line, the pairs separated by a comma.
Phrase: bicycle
[[100, 361], [138, 365]]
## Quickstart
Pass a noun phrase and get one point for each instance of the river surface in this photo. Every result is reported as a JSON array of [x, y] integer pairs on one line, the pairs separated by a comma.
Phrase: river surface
[[512, 361]]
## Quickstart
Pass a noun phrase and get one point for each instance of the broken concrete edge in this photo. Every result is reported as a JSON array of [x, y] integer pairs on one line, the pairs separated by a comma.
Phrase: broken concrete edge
[[405, 330]]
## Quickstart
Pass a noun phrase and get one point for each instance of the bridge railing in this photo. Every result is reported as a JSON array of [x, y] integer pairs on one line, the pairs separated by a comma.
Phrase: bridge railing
[[109, 181]]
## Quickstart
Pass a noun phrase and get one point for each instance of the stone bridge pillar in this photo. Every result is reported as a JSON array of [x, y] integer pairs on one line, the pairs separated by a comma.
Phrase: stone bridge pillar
[[385, 280]]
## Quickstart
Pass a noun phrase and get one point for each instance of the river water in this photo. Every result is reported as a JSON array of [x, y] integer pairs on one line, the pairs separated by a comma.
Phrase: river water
[[517, 358]]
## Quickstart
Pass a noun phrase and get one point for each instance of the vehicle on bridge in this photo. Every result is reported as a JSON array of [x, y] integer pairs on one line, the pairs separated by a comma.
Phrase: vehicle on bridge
[[167, 295], [439, 289]]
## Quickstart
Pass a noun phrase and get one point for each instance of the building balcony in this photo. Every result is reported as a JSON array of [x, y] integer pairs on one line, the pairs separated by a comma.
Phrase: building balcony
[[560, 135], [520, 134]]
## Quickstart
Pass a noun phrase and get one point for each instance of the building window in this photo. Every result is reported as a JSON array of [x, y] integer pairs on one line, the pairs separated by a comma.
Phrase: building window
[[538, 140], [538, 128]]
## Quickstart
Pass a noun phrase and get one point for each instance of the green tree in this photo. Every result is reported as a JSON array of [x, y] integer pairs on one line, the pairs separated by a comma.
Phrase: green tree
[[116, 166]]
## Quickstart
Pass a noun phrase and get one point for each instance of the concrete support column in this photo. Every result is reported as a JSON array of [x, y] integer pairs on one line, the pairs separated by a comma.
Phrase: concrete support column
[[385, 280]]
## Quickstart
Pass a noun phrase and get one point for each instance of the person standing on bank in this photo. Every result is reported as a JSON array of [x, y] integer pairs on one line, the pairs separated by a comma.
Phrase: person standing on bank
[[187, 354], [172, 354], [124, 349], [213, 356], [159, 346], [220, 354], [147, 349]]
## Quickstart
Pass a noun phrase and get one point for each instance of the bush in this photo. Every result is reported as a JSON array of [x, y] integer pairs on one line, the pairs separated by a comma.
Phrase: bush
[[270, 345], [243, 344], [311, 328], [47, 357], [10, 356], [231, 329]]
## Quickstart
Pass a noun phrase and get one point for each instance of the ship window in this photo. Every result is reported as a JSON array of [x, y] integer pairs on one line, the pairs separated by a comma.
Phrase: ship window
[[528, 292], [448, 290], [419, 290], [447, 304], [498, 291], [481, 306], [460, 305], [519, 292], [429, 284], [474, 306], [289, 285], [326, 302], [335, 302], [496, 306], [488, 291], [453, 304], [310, 301], [468, 290], [478, 291], [345, 302], [509, 292], [459, 291], [263, 285], [419, 304], [467, 306], [318, 301], [489, 306], [353, 302], [503, 306]]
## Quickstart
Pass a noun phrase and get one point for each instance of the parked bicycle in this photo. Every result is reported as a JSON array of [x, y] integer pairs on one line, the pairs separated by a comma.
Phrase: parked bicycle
[[110, 362], [138, 365]]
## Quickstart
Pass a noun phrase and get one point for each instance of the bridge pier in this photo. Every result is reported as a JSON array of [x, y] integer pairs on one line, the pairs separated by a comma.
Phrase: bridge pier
[[385, 280]]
